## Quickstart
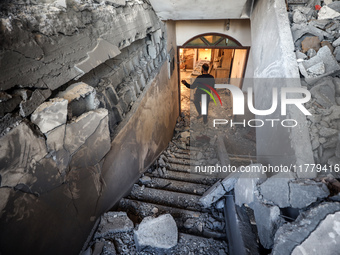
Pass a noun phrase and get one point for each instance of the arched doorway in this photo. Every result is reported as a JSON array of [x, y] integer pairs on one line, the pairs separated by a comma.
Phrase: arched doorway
[[225, 55]]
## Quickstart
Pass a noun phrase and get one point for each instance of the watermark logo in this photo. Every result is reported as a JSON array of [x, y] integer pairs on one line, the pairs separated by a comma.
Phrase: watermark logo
[[238, 100]]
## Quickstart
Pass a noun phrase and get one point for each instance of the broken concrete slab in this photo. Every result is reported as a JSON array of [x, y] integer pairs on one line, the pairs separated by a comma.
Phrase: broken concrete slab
[[310, 42], [268, 221], [317, 69], [160, 232], [305, 192], [20, 148], [276, 189], [246, 186], [113, 222], [325, 239], [328, 44], [81, 98], [327, 13], [55, 138], [219, 189], [293, 234], [94, 148], [78, 131], [324, 55], [328, 132], [98, 55], [37, 98], [50, 115]]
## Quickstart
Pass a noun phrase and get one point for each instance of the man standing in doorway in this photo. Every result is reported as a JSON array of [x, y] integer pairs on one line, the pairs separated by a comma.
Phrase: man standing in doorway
[[202, 84]]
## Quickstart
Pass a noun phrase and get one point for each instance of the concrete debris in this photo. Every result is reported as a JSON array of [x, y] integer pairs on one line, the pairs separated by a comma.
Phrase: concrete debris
[[50, 115], [113, 222], [78, 131], [310, 42], [316, 69], [299, 17], [37, 98], [145, 180], [246, 186], [325, 56], [327, 13], [81, 98], [321, 221], [268, 221], [304, 193], [158, 232], [276, 189], [219, 189]]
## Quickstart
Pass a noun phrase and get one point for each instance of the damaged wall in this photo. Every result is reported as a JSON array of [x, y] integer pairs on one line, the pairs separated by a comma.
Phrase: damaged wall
[[70, 149], [274, 59]]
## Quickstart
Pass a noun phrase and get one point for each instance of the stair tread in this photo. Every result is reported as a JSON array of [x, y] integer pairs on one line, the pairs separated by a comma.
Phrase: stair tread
[[178, 186]]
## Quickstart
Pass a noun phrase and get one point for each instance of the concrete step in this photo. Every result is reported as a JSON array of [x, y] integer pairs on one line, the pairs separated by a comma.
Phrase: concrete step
[[165, 197], [178, 155], [190, 222], [177, 186], [187, 177]]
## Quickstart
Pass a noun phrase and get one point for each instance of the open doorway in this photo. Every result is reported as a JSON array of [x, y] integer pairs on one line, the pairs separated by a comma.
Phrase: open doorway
[[226, 57]]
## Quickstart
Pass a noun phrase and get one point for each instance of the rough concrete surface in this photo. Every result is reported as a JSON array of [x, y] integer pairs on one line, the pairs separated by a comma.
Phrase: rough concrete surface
[[160, 232]]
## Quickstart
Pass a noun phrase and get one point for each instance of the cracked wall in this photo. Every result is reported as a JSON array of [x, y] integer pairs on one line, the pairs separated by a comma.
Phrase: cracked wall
[[86, 106]]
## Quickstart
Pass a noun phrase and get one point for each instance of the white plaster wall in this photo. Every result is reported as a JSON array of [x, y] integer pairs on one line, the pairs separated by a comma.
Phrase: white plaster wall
[[239, 29]]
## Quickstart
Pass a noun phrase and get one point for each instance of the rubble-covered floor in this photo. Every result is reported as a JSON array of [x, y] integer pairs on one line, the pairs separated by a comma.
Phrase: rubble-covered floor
[[171, 187]]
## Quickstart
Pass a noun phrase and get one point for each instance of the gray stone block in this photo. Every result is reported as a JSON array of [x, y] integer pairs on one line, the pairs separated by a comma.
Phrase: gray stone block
[[158, 232], [50, 115], [298, 17], [78, 131], [304, 193], [276, 189], [328, 132], [293, 234], [113, 222], [268, 220]]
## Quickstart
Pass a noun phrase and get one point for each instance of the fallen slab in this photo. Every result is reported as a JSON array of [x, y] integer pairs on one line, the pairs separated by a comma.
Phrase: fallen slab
[[158, 232]]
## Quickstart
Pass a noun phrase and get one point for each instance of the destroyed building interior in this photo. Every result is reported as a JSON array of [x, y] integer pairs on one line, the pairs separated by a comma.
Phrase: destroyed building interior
[[102, 150]]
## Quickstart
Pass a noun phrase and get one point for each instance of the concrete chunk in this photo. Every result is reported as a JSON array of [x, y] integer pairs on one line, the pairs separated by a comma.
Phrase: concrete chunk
[[50, 115], [324, 93], [81, 98], [158, 232], [324, 55], [276, 189], [219, 189], [246, 186], [268, 220], [317, 69], [304, 193], [291, 235], [327, 13], [37, 98], [78, 131], [113, 222]]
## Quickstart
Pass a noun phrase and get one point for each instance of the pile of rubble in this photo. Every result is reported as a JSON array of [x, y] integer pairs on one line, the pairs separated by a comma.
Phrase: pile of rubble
[[289, 213], [316, 34]]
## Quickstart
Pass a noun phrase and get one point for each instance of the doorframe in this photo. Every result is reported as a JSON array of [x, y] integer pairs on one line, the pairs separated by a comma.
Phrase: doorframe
[[209, 47]]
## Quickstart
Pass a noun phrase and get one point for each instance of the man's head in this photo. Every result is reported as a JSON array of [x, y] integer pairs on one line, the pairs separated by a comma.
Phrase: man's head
[[205, 68]]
